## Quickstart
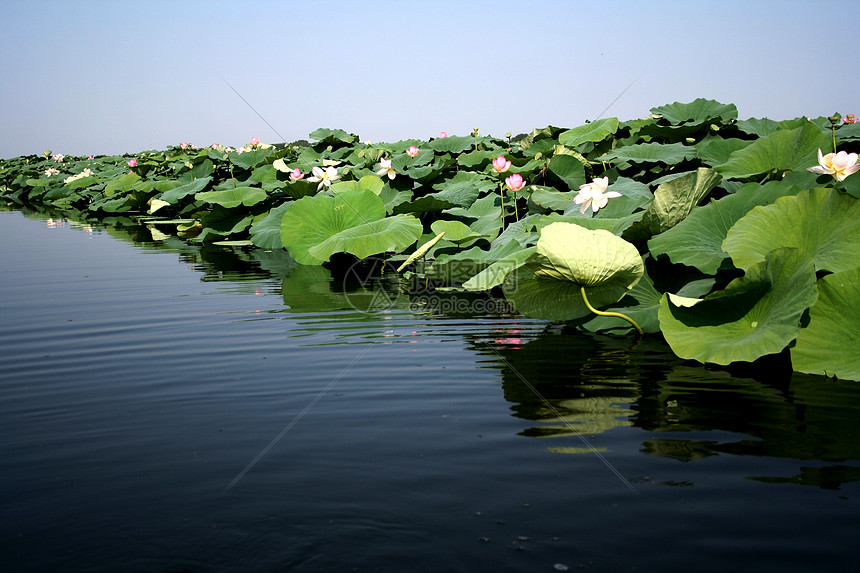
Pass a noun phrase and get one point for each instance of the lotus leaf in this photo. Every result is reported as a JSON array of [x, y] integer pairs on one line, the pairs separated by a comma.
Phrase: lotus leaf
[[670, 153], [697, 240], [830, 344], [590, 132], [567, 258], [231, 198], [823, 222], [697, 111], [755, 315], [673, 201], [316, 227], [782, 150]]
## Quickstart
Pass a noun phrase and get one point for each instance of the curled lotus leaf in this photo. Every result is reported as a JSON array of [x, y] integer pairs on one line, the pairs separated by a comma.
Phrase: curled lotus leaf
[[569, 257]]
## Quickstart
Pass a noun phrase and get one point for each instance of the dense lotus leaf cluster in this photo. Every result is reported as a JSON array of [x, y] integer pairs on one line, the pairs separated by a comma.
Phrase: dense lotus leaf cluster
[[734, 239]]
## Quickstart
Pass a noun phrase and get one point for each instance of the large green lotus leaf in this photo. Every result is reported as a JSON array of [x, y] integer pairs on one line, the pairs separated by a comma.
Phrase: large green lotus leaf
[[232, 198], [463, 188], [673, 201], [451, 144], [823, 222], [670, 153], [716, 150], [484, 216], [391, 197], [697, 241], [333, 136], [250, 159], [614, 226], [782, 150], [121, 184], [266, 234], [371, 182], [755, 315], [455, 231], [549, 197], [495, 274], [830, 344], [567, 258], [391, 234], [569, 169], [590, 132], [459, 267], [315, 219], [221, 222], [174, 195], [758, 126], [697, 111]]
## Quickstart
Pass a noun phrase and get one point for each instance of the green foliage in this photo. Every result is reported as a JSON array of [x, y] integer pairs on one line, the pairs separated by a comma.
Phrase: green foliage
[[739, 236]]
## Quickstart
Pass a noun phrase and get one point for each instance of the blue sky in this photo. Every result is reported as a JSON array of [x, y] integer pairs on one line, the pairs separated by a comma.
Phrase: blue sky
[[93, 77]]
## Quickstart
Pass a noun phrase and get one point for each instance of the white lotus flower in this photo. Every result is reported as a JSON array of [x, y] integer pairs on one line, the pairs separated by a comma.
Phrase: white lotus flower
[[840, 165], [594, 194], [324, 177], [385, 164]]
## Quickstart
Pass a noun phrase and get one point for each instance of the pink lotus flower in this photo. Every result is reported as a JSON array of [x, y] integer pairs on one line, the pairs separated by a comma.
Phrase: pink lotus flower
[[90, 158], [849, 118], [132, 162], [255, 141], [296, 174], [515, 182], [594, 194], [840, 165], [215, 146], [184, 145], [412, 151], [500, 164], [58, 157], [443, 134]]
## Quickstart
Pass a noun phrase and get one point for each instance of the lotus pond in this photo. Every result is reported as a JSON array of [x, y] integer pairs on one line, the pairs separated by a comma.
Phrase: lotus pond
[[426, 355], [176, 407]]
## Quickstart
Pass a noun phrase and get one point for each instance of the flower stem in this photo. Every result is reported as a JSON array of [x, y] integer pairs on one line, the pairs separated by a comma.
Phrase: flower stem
[[502, 197], [613, 314]]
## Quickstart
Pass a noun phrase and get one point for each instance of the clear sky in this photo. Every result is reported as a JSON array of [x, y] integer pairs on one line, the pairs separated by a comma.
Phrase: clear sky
[[92, 77]]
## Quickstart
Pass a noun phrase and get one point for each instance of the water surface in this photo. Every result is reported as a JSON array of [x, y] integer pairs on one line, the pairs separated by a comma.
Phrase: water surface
[[170, 407]]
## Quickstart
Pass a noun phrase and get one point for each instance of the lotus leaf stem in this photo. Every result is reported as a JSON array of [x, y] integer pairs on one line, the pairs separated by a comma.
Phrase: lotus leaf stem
[[614, 314]]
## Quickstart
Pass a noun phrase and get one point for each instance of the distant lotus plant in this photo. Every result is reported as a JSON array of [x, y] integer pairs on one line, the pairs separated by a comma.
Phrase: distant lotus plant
[[132, 162], [595, 195], [58, 157], [840, 165], [296, 174]]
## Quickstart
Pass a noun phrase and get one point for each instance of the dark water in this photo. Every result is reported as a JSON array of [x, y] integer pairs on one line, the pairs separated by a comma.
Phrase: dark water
[[167, 407]]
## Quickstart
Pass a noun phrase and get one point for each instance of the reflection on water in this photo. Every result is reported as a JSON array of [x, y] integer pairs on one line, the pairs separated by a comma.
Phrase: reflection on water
[[134, 392]]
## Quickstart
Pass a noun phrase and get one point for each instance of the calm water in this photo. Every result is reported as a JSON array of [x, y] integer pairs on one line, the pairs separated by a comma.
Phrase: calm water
[[167, 407]]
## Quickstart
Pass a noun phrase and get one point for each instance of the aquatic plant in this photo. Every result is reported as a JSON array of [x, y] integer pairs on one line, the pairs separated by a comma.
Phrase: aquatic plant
[[720, 234]]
